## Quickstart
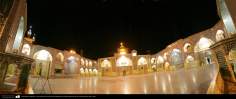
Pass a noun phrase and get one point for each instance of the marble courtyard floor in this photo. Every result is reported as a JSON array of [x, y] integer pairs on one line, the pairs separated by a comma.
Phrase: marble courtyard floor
[[190, 81]]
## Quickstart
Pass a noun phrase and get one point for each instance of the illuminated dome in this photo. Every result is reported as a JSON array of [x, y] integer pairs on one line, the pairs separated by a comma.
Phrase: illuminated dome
[[122, 49]]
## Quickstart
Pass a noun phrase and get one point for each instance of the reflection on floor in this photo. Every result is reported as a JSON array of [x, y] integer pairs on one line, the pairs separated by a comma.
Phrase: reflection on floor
[[191, 81]]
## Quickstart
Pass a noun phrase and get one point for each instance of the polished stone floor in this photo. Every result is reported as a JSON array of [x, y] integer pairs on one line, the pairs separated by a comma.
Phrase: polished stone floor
[[191, 81]]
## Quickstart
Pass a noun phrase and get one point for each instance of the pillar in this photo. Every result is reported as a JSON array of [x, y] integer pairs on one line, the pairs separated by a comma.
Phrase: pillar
[[3, 71], [23, 78]]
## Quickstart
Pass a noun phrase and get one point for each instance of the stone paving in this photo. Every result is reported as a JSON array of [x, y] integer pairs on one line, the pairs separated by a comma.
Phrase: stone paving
[[191, 81]]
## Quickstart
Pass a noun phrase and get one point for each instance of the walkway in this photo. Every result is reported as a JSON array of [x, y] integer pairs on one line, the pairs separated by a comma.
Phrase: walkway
[[191, 81]]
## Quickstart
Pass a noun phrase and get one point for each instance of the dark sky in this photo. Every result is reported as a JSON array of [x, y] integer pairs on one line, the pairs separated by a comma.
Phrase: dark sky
[[98, 26]]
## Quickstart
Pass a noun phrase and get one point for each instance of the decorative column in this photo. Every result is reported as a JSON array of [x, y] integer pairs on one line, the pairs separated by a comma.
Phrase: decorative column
[[23, 78], [3, 71]]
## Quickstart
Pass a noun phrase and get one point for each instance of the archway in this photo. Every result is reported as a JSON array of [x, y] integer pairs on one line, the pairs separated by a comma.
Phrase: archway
[[160, 62], [203, 44], [59, 63], [95, 72], [219, 35], [82, 71], [71, 65], [26, 49], [153, 63], [43, 60], [11, 70], [176, 57], [106, 64], [232, 59], [123, 61], [142, 62], [82, 62], [189, 61], [187, 48], [202, 49]]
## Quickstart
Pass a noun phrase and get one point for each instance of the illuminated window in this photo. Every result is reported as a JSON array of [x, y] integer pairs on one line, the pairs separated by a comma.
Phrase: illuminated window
[[160, 60], [189, 59], [153, 60], [165, 56], [82, 61], [219, 35], [187, 47], [86, 70], [43, 55], [142, 61], [86, 62], [176, 57], [167, 64], [81, 70], [95, 71], [90, 63], [26, 49], [232, 55], [60, 57], [106, 63], [203, 44], [123, 61], [134, 53]]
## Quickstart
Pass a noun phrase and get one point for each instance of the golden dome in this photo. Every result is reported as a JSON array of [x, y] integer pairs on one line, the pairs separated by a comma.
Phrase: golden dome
[[122, 48]]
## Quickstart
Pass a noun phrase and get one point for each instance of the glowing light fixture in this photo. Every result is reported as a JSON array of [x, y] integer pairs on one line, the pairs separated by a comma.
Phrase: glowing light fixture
[[123, 61], [142, 61], [72, 51]]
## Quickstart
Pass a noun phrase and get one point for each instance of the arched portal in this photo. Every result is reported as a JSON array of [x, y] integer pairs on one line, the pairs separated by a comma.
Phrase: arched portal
[[123, 61], [220, 35], [142, 61], [187, 48], [82, 61], [26, 49], [160, 61], [106, 64], [176, 57], [71, 66], [59, 63], [43, 61], [189, 61], [232, 58], [202, 48], [203, 44]]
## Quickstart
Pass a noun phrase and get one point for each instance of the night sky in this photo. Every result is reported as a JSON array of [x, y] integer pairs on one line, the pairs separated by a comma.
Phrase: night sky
[[98, 26]]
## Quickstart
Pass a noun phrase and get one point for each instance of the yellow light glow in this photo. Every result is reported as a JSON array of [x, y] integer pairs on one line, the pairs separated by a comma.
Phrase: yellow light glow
[[142, 61], [153, 60], [219, 35], [189, 59], [43, 55], [186, 47], [90, 63], [86, 62], [165, 56], [82, 61], [60, 57], [106, 63], [122, 53], [72, 51], [26, 49], [123, 61], [203, 44], [160, 60]]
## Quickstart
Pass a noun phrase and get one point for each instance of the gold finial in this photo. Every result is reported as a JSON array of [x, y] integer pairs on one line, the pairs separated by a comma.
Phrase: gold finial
[[121, 44]]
